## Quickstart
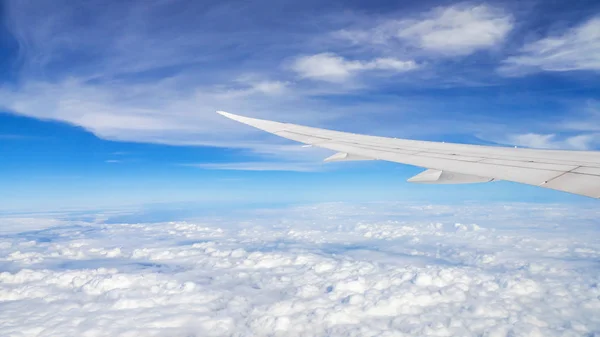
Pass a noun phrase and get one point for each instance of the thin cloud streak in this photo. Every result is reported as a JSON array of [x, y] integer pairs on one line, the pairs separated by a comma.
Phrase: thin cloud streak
[[263, 166], [334, 68], [553, 141], [577, 48]]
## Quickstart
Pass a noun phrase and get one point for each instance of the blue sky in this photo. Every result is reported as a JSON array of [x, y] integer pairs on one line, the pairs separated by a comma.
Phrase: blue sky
[[105, 104]]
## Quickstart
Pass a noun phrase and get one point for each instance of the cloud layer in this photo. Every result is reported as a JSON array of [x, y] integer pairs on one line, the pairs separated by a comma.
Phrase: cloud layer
[[331, 269]]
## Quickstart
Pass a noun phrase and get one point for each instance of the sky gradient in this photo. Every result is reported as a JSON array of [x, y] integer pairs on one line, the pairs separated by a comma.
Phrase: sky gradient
[[106, 104]]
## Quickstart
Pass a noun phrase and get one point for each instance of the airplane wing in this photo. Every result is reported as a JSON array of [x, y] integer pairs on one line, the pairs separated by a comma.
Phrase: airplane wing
[[575, 172]]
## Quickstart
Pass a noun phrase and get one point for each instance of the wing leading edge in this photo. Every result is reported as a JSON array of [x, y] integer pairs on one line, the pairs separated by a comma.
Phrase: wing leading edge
[[575, 172]]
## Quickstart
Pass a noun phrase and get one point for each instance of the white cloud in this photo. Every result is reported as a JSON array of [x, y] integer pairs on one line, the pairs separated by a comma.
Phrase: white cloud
[[533, 140], [583, 142], [330, 269], [455, 30], [160, 112], [334, 68], [269, 87], [575, 49], [251, 86], [552, 141], [459, 30], [579, 130]]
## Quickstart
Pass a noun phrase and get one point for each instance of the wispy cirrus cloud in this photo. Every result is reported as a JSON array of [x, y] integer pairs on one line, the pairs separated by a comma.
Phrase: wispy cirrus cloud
[[456, 30], [579, 130], [335, 68], [577, 48], [554, 141], [252, 84], [134, 74]]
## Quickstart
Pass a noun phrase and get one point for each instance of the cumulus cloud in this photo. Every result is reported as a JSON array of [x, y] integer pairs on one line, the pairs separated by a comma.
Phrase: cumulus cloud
[[330, 269], [453, 31], [577, 48], [334, 68]]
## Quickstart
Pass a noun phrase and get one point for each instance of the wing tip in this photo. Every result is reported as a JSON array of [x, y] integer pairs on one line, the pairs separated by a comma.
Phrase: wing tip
[[234, 117], [224, 113]]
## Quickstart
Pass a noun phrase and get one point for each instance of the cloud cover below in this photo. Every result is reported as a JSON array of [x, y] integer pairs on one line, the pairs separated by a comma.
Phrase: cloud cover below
[[392, 269]]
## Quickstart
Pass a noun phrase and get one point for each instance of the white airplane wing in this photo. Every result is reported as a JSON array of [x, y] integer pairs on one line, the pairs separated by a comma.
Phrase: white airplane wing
[[575, 172]]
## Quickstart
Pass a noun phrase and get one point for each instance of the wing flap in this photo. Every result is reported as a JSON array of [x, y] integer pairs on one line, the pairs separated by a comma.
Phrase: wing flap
[[343, 156], [446, 177]]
